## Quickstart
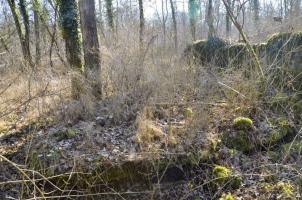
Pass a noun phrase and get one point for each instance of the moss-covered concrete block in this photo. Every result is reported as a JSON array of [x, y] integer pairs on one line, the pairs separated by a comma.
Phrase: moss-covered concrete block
[[284, 52], [282, 130], [239, 140], [208, 51]]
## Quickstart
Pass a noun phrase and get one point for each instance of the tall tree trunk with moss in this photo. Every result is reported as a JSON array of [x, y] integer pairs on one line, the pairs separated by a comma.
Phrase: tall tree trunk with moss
[[193, 13], [36, 9], [141, 23], [174, 24], [210, 19], [91, 45], [69, 20], [109, 12], [23, 37]]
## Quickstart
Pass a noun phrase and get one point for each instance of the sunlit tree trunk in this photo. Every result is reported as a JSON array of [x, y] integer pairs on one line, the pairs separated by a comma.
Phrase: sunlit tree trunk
[[174, 24], [90, 44], [141, 23], [69, 20], [25, 17]]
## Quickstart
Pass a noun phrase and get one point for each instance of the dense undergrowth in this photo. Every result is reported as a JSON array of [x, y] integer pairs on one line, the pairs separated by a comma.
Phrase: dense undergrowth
[[170, 130]]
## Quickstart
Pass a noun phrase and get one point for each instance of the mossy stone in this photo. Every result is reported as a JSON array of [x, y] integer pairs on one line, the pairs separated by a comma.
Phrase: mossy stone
[[194, 158], [294, 147], [237, 53], [224, 175], [275, 136], [239, 141], [284, 190], [273, 155], [66, 134], [221, 172], [208, 51], [243, 123], [284, 52]]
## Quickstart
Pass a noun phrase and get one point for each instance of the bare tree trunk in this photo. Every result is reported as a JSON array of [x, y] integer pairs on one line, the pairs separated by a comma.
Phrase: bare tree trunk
[[174, 24], [101, 17], [91, 45], [228, 21], [281, 8], [116, 20], [23, 37], [210, 19], [164, 20], [297, 7], [69, 20], [141, 23], [256, 8], [25, 17], [36, 9], [217, 14], [109, 12], [285, 8]]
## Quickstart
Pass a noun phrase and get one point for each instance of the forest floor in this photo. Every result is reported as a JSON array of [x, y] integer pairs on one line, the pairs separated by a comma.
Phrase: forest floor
[[218, 141], [183, 149]]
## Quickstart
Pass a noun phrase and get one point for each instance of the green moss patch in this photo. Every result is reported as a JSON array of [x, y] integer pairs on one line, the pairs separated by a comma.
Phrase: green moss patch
[[228, 196], [243, 123], [188, 112], [294, 147], [283, 190], [240, 140], [65, 134], [282, 130], [224, 175]]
